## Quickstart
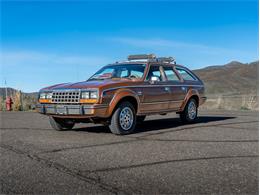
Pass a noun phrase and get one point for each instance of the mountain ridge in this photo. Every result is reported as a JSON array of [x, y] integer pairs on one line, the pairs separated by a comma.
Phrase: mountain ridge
[[229, 64], [231, 78]]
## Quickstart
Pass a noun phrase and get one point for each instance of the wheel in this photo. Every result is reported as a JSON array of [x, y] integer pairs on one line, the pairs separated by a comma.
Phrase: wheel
[[123, 120], [140, 119], [189, 114], [61, 124]]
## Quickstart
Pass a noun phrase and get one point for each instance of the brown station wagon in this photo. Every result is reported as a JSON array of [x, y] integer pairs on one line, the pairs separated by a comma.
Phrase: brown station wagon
[[124, 93]]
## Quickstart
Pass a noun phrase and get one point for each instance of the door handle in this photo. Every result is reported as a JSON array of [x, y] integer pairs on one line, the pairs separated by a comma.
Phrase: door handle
[[167, 88], [184, 89], [139, 93]]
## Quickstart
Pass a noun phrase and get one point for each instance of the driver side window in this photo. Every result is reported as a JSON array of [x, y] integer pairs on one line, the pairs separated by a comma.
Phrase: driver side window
[[154, 72]]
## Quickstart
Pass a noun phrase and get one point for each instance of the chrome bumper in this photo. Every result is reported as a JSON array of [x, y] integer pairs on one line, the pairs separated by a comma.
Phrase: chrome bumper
[[68, 110]]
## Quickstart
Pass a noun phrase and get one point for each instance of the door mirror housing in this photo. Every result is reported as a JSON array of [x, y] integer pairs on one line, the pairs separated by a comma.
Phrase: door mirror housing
[[154, 79]]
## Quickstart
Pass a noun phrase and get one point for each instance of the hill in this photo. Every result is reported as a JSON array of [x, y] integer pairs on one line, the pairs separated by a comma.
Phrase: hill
[[12, 92], [230, 86], [27, 101], [231, 78]]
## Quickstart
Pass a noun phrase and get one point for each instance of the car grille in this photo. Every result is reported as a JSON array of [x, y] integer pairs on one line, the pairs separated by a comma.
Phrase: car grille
[[66, 97]]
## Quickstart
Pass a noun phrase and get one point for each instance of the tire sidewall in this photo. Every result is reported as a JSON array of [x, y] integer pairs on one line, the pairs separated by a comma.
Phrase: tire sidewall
[[115, 126], [187, 117]]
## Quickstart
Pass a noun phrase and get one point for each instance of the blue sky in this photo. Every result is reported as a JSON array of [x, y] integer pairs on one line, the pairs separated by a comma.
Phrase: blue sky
[[65, 41]]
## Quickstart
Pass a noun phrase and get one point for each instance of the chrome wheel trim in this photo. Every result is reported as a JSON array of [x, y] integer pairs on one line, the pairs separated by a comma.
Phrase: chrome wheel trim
[[126, 118], [192, 110]]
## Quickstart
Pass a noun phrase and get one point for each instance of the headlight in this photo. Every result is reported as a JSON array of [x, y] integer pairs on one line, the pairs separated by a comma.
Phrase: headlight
[[42, 95], [90, 94], [48, 95], [45, 95], [93, 95], [85, 95]]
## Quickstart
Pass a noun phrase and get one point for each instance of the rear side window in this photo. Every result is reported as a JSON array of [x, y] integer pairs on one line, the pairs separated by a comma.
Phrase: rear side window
[[170, 74], [154, 71], [186, 75]]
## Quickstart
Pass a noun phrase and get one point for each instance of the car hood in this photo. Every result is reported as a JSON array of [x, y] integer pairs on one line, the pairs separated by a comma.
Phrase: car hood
[[90, 84]]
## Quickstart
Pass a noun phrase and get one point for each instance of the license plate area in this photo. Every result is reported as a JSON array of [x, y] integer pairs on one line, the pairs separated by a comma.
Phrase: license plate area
[[61, 109]]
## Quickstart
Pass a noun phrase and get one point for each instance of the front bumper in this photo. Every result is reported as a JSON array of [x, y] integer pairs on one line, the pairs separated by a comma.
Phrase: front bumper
[[98, 110]]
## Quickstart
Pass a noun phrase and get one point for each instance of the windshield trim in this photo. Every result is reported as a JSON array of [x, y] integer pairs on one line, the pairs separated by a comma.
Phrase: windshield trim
[[118, 64]]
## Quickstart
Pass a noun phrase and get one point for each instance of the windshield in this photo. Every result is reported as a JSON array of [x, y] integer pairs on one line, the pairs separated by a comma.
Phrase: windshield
[[129, 71]]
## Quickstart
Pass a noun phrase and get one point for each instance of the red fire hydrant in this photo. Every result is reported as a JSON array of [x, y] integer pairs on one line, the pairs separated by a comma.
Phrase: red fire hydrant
[[8, 103]]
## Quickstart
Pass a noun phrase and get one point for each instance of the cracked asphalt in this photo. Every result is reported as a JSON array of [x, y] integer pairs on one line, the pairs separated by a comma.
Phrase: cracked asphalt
[[218, 154]]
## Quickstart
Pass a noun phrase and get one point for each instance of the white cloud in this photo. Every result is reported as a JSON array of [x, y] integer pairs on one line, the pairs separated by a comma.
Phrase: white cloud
[[172, 44], [26, 58], [32, 70]]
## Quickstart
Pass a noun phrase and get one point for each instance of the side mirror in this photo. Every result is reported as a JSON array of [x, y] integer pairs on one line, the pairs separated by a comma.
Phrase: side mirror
[[154, 79]]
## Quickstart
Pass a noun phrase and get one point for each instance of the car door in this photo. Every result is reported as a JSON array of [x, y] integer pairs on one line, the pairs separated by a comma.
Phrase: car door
[[178, 90], [156, 94]]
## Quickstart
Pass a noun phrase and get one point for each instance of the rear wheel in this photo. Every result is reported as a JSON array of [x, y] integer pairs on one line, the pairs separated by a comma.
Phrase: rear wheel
[[190, 112], [123, 120], [61, 124]]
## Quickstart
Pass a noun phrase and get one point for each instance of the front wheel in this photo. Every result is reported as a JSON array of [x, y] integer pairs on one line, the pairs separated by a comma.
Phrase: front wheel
[[190, 112], [61, 124], [123, 120]]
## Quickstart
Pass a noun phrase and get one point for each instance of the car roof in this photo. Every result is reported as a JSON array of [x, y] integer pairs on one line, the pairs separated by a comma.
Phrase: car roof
[[145, 62]]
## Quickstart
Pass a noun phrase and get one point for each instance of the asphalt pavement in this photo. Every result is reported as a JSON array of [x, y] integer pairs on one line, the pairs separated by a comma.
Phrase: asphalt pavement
[[218, 154]]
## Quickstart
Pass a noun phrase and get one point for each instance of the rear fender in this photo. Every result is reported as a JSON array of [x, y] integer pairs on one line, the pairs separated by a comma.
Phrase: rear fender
[[189, 94]]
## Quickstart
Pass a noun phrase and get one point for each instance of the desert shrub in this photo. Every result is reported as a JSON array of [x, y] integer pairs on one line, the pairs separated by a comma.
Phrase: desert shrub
[[244, 108], [250, 101], [2, 103], [17, 106]]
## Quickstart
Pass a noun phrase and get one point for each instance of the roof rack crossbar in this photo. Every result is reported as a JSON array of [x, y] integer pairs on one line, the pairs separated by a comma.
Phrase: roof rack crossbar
[[165, 59], [151, 58], [141, 57]]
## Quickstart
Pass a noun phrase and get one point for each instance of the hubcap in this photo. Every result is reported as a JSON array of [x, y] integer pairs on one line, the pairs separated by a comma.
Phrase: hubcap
[[192, 110], [126, 118]]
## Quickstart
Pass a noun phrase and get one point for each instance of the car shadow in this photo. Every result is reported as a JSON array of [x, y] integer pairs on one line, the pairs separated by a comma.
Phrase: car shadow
[[160, 124], [156, 124], [94, 129]]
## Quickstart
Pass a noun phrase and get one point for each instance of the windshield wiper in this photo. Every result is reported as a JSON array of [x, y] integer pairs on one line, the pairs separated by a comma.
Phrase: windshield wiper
[[91, 79]]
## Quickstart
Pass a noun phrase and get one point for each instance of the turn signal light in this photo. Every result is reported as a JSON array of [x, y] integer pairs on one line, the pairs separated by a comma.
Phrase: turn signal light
[[88, 101], [44, 100]]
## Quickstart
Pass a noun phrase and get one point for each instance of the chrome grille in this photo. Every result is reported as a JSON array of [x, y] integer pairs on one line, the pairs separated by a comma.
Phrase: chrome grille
[[66, 97]]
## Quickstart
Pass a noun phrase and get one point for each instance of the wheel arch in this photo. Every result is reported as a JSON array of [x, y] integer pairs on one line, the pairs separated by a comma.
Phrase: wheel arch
[[192, 93], [196, 98], [121, 96]]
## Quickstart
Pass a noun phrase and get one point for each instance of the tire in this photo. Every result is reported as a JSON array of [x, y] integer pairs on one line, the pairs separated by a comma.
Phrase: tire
[[61, 124], [140, 119], [190, 112], [123, 120]]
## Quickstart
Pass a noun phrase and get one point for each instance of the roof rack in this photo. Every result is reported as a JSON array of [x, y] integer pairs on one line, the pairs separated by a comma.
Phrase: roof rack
[[166, 59], [151, 58], [141, 57]]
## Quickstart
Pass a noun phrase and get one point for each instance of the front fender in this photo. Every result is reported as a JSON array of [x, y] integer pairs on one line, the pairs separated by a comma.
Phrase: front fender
[[118, 96]]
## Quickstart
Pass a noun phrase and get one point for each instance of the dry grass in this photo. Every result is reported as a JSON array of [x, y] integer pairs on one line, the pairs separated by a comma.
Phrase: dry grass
[[221, 101], [21, 102], [2, 104], [232, 102], [17, 106]]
